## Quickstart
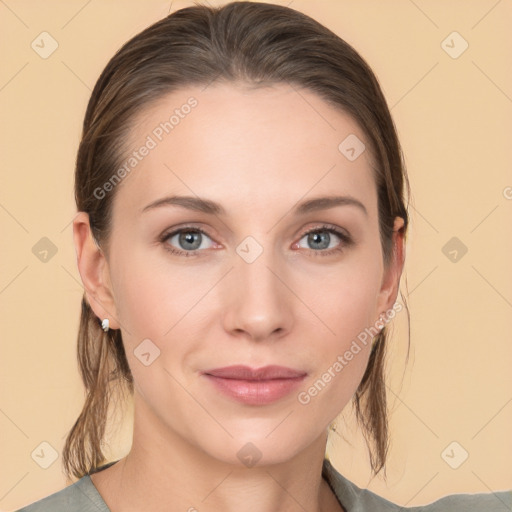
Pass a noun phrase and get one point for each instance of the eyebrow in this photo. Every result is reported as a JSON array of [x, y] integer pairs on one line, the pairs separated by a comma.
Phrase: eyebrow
[[211, 207]]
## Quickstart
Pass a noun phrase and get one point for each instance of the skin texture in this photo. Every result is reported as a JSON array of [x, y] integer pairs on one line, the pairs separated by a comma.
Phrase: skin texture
[[257, 152]]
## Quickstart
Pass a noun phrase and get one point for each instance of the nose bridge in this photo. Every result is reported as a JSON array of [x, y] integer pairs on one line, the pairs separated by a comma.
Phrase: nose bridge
[[260, 303]]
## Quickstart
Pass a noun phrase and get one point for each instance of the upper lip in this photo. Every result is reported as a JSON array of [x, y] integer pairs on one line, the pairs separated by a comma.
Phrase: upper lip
[[241, 372]]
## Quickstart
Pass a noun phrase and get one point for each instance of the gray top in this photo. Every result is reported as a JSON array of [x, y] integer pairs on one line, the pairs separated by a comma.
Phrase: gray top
[[82, 496]]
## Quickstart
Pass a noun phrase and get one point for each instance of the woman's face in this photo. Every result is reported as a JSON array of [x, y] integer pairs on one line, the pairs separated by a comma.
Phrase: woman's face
[[254, 289]]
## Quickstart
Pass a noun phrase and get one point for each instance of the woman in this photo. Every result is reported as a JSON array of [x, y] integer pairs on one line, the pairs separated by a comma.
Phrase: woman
[[240, 237]]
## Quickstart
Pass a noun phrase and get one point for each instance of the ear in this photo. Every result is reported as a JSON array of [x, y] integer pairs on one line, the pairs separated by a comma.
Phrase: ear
[[94, 271], [391, 279]]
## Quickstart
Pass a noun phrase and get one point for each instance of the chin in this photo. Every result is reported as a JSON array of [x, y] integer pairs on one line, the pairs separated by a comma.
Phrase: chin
[[251, 450]]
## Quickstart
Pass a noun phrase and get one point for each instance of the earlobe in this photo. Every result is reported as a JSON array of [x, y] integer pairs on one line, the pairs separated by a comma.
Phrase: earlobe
[[93, 268]]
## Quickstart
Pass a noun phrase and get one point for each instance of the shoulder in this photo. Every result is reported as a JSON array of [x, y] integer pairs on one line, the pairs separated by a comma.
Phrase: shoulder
[[499, 501], [355, 499], [81, 496]]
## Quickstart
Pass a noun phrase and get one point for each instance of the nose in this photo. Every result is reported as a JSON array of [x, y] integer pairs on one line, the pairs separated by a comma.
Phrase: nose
[[258, 301]]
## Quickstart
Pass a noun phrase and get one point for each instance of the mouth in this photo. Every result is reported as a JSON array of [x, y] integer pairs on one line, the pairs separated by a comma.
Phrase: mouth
[[241, 372], [255, 386]]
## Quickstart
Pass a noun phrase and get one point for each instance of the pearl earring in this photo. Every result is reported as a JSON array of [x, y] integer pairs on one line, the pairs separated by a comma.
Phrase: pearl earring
[[105, 324]]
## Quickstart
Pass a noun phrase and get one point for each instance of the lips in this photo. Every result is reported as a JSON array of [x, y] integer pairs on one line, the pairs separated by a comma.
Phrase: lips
[[246, 373], [255, 386]]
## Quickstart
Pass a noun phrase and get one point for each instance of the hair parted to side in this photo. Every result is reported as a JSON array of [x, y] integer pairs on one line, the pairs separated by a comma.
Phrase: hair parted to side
[[257, 44]]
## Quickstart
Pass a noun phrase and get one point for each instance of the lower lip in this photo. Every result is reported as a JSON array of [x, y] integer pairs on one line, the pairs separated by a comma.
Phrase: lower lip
[[256, 392]]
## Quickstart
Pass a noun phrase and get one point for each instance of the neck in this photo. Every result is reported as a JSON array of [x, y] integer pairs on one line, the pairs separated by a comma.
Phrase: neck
[[164, 471]]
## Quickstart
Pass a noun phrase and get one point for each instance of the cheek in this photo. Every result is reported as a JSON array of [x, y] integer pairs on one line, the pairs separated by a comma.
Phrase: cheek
[[156, 301], [345, 351], [151, 295], [343, 300]]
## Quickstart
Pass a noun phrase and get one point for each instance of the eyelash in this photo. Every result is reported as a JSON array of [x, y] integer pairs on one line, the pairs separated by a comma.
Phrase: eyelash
[[346, 240]]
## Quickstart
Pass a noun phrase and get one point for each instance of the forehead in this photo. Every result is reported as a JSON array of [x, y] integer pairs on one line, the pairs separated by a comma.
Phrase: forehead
[[246, 147]]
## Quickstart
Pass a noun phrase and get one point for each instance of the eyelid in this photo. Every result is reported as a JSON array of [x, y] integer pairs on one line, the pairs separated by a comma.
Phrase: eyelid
[[324, 226], [167, 234]]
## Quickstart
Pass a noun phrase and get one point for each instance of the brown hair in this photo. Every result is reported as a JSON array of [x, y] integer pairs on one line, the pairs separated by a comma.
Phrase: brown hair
[[258, 44]]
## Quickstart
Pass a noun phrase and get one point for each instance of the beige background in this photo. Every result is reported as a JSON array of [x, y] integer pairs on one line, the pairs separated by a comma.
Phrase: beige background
[[454, 119]]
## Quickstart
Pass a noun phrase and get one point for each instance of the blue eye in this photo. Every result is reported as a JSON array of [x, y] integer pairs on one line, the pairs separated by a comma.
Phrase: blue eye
[[191, 239], [321, 236]]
